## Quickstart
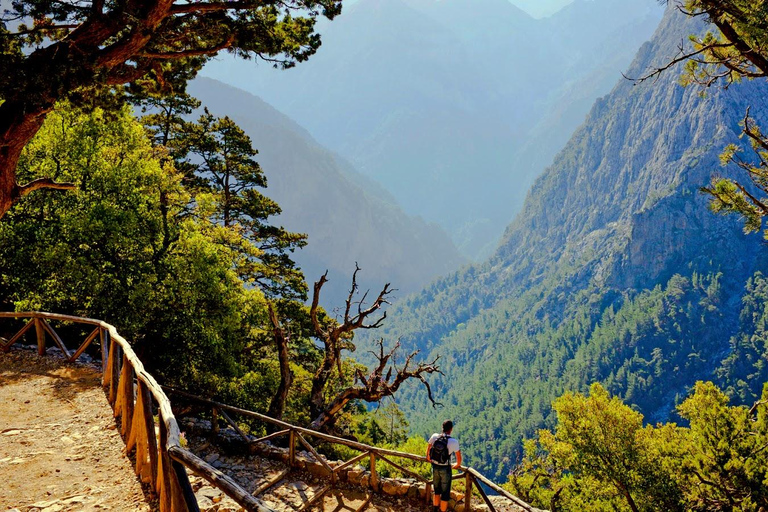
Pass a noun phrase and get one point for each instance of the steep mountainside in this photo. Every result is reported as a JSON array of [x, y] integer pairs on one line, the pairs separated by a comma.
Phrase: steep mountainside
[[347, 217], [614, 271], [435, 99]]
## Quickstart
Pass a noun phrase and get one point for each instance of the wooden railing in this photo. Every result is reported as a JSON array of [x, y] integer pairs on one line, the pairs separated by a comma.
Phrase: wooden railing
[[161, 461], [472, 478], [134, 395]]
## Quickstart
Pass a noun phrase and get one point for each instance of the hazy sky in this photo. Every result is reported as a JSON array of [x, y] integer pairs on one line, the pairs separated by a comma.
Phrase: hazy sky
[[536, 8], [541, 8]]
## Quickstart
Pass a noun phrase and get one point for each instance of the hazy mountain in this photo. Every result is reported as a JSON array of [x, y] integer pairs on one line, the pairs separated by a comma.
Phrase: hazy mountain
[[435, 99], [348, 218], [614, 271]]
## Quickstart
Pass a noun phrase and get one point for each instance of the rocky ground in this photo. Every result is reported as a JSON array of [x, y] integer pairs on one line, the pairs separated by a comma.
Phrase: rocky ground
[[59, 448], [291, 493]]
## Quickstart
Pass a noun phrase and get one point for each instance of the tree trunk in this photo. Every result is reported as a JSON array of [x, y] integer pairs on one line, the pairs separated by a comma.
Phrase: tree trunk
[[17, 127], [320, 379], [277, 406], [329, 413]]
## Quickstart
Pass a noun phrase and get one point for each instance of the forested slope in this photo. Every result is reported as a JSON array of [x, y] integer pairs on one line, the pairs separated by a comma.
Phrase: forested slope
[[615, 271]]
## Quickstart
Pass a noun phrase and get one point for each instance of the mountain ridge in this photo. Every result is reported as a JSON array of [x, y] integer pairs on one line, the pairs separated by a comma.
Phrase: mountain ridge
[[349, 220], [434, 99], [614, 271]]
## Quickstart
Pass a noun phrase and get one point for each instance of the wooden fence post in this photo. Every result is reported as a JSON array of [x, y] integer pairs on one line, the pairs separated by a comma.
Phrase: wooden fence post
[[292, 448], [468, 494], [40, 330], [164, 487], [114, 380], [214, 422], [106, 359], [180, 474], [374, 477], [125, 398], [104, 341]]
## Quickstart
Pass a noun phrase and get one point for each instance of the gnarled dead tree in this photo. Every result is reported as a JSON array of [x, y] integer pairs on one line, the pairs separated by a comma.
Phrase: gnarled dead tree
[[377, 385], [383, 381]]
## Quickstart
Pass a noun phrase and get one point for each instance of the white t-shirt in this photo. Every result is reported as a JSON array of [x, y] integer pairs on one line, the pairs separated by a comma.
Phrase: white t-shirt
[[453, 447]]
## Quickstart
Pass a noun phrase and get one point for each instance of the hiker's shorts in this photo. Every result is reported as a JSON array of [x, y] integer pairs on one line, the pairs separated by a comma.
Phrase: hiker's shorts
[[441, 480]]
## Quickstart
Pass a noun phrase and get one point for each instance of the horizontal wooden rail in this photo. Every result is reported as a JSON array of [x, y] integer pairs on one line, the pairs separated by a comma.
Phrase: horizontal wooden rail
[[472, 477]]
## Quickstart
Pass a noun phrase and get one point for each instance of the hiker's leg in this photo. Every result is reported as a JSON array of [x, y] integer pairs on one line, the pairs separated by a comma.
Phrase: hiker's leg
[[446, 489], [436, 487], [442, 477]]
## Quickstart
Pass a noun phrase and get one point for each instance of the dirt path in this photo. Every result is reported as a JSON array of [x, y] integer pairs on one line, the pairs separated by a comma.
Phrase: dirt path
[[59, 448]]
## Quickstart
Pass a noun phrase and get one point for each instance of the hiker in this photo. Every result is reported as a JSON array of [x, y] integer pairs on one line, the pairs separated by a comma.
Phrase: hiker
[[439, 451]]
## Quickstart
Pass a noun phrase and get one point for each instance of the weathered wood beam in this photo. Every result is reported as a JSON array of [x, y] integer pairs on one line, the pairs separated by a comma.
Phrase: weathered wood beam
[[85, 344], [56, 338], [468, 493], [319, 435], [218, 479], [40, 331], [404, 470], [269, 483], [365, 503], [314, 499], [517, 501], [18, 335], [351, 461], [314, 453], [185, 488], [234, 426], [374, 481], [485, 497], [114, 372], [270, 436]]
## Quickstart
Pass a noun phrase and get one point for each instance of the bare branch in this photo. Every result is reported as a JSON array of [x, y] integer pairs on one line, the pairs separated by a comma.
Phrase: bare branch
[[682, 56], [753, 409], [316, 303], [43, 183], [376, 386]]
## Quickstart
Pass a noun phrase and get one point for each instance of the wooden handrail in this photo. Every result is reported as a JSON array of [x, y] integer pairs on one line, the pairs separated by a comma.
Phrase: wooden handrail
[[164, 459], [164, 472], [314, 433], [383, 453]]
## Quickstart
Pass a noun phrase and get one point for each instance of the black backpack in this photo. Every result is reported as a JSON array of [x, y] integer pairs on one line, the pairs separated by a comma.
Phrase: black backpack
[[439, 453]]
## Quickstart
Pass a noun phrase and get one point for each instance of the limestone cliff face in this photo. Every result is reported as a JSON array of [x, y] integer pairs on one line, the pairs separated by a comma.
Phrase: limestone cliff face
[[632, 173]]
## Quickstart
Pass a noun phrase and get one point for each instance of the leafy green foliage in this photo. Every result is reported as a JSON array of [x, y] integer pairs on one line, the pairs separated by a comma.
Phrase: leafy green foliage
[[600, 455], [186, 264], [118, 248]]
